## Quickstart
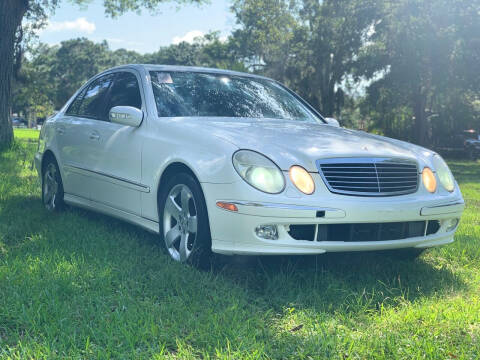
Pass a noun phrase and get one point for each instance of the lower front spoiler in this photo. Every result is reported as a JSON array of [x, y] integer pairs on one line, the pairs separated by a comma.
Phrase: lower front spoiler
[[235, 232], [309, 248]]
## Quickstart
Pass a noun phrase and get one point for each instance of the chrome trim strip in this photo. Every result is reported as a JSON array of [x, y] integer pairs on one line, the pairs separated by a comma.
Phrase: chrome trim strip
[[355, 160], [459, 202], [278, 206], [143, 188], [452, 207], [369, 160]]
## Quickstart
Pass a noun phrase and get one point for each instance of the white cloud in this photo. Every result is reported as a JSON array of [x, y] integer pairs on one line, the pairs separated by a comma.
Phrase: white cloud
[[189, 37], [80, 24], [115, 40], [117, 43]]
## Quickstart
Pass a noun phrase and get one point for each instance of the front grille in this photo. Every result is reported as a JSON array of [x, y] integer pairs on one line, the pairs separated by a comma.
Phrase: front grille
[[369, 176], [371, 232], [364, 231]]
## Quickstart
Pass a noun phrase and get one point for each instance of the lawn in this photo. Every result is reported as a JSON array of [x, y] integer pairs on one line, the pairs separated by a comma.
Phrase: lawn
[[81, 285]]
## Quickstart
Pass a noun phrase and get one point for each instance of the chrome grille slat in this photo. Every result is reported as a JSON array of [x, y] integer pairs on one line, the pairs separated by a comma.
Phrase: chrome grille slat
[[414, 176], [367, 167], [356, 182], [381, 172], [369, 176], [357, 186], [391, 183]]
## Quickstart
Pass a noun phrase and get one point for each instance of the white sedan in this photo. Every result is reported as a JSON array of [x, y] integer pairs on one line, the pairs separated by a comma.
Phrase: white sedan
[[233, 163]]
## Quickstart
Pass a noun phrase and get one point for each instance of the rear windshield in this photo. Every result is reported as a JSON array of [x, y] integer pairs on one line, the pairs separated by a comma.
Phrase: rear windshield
[[192, 94]]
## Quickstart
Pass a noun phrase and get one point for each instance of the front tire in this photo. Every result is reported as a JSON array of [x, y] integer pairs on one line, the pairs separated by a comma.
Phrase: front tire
[[183, 221], [52, 187]]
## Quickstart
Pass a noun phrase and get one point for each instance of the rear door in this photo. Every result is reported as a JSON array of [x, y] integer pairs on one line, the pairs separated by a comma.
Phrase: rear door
[[81, 137], [116, 156]]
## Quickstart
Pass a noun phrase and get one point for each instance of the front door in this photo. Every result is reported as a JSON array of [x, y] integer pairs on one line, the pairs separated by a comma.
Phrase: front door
[[116, 151]]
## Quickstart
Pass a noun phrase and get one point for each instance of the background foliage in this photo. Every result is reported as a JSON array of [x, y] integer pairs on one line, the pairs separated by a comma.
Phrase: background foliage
[[407, 69]]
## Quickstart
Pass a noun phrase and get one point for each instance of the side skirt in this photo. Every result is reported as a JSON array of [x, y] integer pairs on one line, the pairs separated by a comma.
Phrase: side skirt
[[147, 224]]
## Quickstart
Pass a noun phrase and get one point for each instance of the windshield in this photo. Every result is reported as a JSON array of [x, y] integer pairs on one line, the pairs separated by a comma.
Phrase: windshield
[[188, 94]]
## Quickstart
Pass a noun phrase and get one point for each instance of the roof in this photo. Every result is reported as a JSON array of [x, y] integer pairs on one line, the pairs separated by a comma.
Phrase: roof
[[153, 67]]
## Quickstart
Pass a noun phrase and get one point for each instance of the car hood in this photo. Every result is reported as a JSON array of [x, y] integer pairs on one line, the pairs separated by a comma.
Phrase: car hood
[[293, 142]]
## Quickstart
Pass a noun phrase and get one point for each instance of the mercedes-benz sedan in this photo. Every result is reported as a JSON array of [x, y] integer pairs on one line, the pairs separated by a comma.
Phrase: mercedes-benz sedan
[[235, 163]]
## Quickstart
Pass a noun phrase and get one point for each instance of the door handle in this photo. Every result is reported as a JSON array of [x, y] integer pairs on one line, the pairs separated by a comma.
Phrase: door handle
[[94, 136], [60, 131]]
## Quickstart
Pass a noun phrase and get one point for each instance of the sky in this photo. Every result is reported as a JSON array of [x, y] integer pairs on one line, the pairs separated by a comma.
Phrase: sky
[[143, 33]]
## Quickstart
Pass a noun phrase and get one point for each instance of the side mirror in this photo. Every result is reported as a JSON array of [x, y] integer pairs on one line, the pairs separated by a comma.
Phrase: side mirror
[[332, 122], [126, 115]]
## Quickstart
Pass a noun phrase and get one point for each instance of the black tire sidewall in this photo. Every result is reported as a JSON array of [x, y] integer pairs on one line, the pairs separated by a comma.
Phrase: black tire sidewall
[[202, 249]]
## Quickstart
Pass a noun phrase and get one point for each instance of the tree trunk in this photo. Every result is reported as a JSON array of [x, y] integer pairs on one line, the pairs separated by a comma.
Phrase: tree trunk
[[328, 99], [420, 124], [11, 14]]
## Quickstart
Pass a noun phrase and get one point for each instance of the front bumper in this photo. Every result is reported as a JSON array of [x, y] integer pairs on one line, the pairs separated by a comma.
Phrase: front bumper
[[234, 232]]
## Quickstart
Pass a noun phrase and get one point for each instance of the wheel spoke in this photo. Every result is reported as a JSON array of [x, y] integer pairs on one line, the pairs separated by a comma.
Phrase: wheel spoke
[[171, 236], [50, 177], [183, 248], [185, 197], [180, 205], [47, 195], [51, 185], [173, 208], [192, 224]]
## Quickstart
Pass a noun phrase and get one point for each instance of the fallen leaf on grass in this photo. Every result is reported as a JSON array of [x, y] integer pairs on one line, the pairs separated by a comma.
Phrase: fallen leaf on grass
[[296, 328]]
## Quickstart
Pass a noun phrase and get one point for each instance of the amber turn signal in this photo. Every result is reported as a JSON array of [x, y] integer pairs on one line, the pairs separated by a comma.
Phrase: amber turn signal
[[429, 180], [227, 206], [302, 179]]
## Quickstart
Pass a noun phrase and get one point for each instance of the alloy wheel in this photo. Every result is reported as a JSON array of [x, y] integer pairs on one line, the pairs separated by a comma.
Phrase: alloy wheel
[[180, 222], [50, 187]]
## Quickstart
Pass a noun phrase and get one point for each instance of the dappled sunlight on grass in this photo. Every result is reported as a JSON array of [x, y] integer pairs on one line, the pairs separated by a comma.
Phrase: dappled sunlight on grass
[[26, 134], [82, 285]]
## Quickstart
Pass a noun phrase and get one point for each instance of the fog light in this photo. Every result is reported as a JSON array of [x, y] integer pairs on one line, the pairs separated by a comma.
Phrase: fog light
[[268, 232], [450, 224]]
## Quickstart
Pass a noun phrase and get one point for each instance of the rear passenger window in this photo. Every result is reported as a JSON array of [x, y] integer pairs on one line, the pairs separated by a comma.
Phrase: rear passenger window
[[75, 105], [93, 102], [125, 91]]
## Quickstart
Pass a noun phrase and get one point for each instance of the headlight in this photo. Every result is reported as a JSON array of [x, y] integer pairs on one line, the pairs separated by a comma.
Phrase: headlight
[[444, 174], [429, 181], [302, 179], [259, 171]]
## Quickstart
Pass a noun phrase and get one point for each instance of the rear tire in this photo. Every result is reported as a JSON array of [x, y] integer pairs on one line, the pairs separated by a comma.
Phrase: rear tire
[[52, 186], [183, 221]]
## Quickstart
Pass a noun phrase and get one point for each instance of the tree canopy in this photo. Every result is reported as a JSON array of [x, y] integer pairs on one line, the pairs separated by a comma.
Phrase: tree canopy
[[414, 62], [14, 30]]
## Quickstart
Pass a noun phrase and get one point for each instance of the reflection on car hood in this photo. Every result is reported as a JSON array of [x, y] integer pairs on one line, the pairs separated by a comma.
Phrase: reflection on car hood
[[295, 142]]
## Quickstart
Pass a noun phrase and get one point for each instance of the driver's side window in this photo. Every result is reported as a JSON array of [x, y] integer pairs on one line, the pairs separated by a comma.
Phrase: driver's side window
[[125, 91]]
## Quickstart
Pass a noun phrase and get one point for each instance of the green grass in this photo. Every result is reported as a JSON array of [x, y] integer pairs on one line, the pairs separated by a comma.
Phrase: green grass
[[81, 285], [26, 134]]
